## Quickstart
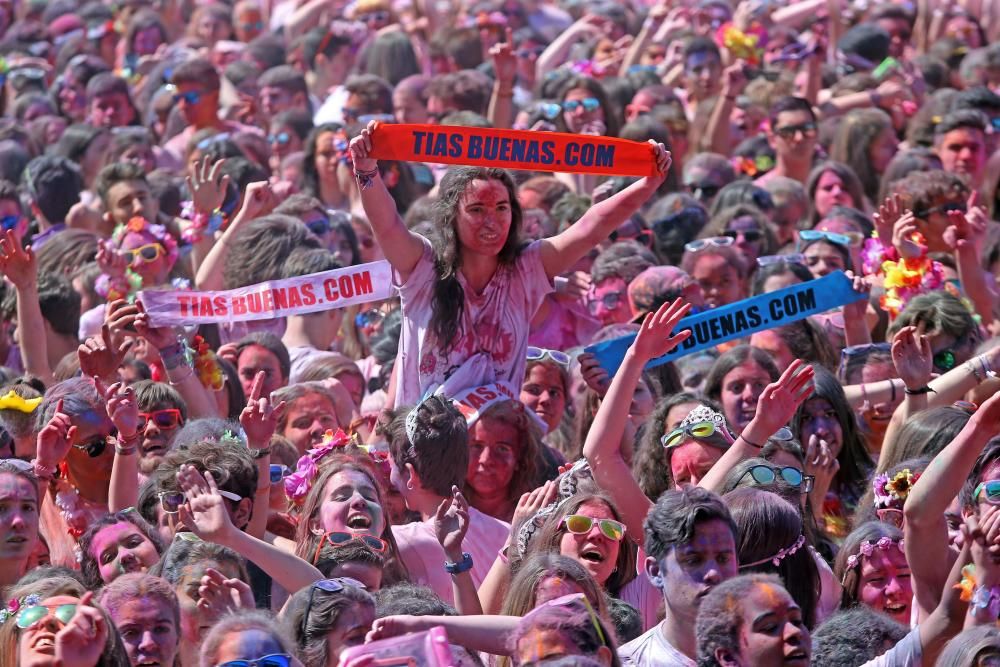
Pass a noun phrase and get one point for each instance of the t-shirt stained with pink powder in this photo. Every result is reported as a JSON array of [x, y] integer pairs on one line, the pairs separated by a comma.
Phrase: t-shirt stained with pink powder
[[492, 338], [424, 558]]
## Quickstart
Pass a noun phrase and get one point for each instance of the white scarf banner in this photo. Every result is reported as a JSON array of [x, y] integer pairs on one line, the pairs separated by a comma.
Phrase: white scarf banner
[[272, 299]]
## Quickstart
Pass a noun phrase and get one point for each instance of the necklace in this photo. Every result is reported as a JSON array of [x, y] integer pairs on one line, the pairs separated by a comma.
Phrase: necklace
[[77, 511]]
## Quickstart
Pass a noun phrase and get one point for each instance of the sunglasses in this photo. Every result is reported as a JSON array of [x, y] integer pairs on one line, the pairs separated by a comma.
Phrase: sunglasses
[[697, 430], [339, 539], [369, 319], [96, 445], [580, 525], [540, 354], [327, 586], [701, 244], [751, 235], [191, 97], [550, 110], [9, 222], [588, 104], [816, 235], [703, 190], [944, 360], [320, 226], [611, 301], [768, 260], [32, 615], [208, 142], [279, 472], [165, 420], [992, 489], [144, 254], [279, 138], [273, 660], [642, 237], [763, 474], [943, 208], [789, 131], [171, 501]]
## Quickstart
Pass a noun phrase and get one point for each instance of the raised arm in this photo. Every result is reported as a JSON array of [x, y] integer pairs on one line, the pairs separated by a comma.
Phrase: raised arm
[[913, 360], [487, 634], [123, 410], [775, 407], [21, 268], [561, 252], [602, 449], [451, 522], [401, 247], [257, 201], [259, 420], [501, 109]]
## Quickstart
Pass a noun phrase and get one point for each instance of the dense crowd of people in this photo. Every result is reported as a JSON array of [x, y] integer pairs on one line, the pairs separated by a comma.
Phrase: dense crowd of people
[[461, 474]]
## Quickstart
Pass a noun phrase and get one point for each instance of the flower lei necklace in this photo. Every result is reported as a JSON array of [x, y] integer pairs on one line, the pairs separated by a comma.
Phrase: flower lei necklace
[[77, 511]]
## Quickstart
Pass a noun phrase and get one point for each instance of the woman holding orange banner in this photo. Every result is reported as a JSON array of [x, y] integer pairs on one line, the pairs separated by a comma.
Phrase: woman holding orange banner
[[468, 296]]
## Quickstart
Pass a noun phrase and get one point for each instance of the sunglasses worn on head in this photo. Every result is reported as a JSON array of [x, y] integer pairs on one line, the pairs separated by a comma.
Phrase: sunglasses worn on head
[[579, 524], [763, 474], [165, 420], [701, 244], [273, 660], [588, 104], [29, 616], [327, 586], [539, 354], [794, 258]]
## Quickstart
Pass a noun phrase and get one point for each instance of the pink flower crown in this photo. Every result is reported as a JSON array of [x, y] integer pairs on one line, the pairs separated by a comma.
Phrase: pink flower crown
[[781, 555], [868, 548], [298, 484]]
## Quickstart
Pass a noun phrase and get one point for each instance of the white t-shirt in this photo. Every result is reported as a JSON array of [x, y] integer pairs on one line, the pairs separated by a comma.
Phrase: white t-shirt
[[424, 558], [651, 649], [907, 653], [492, 338]]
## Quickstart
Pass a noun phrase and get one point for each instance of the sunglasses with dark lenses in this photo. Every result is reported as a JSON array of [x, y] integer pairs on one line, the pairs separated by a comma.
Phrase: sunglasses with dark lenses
[[540, 354], [273, 660], [335, 585], [170, 503], [751, 235], [579, 524], [643, 237], [369, 319], [191, 97], [789, 131], [961, 207], [703, 190], [338, 539], [29, 616], [588, 104], [143, 254], [279, 138], [96, 445], [165, 420], [944, 360], [9, 222], [279, 472], [991, 490], [320, 226], [763, 474], [611, 301]]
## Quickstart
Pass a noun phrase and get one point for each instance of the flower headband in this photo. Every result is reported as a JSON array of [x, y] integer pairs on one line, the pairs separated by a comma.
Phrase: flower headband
[[781, 555], [15, 605], [298, 484], [12, 401], [892, 493], [867, 548]]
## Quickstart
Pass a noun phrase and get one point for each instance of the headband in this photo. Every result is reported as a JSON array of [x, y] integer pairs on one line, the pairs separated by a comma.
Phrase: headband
[[781, 555], [15, 605], [867, 548], [12, 401]]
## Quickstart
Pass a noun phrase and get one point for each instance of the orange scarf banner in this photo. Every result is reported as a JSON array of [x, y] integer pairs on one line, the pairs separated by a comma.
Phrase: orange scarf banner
[[513, 149]]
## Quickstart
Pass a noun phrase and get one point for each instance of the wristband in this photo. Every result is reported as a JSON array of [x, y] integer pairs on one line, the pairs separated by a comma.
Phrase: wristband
[[752, 444], [125, 451], [42, 471], [987, 598], [917, 392], [461, 566], [365, 178], [258, 454]]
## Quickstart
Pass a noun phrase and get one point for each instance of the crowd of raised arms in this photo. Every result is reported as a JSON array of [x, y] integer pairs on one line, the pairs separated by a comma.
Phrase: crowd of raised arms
[[740, 411]]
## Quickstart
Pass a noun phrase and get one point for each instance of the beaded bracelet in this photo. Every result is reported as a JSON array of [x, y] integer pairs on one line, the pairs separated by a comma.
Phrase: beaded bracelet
[[365, 178]]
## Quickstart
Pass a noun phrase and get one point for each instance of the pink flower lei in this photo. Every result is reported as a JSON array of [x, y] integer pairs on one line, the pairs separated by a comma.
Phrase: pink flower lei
[[867, 548]]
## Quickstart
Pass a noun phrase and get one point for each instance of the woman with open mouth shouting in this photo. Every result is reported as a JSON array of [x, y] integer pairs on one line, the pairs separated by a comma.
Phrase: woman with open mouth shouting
[[468, 302]]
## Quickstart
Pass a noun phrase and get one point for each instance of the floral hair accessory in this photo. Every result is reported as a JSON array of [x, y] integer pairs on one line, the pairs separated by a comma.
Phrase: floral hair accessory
[[298, 484], [748, 46], [15, 605], [781, 555], [968, 583], [139, 225], [867, 548], [11, 401], [891, 493]]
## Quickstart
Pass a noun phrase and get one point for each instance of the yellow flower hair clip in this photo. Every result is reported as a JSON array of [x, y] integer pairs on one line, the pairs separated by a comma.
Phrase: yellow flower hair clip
[[11, 401]]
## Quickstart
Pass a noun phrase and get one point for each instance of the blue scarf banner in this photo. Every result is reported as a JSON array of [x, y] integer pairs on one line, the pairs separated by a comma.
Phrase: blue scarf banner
[[741, 319]]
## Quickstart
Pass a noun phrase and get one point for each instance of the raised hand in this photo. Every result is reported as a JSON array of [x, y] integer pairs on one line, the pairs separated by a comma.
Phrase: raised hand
[[17, 263], [218, 595], [259, 419], [205, 512], [912, 357], [159, 337], [967, 230], [857, 309], [779, 401], [530, 503], [257, 201], [55, 438], [902, 236], [654, 338], [80, 642], [885, 219], [823, 466], [451, 522], [123, 410], [99, 357], [662, 158], [361, 146], [207, 185], [504, 60], [734, 79]]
